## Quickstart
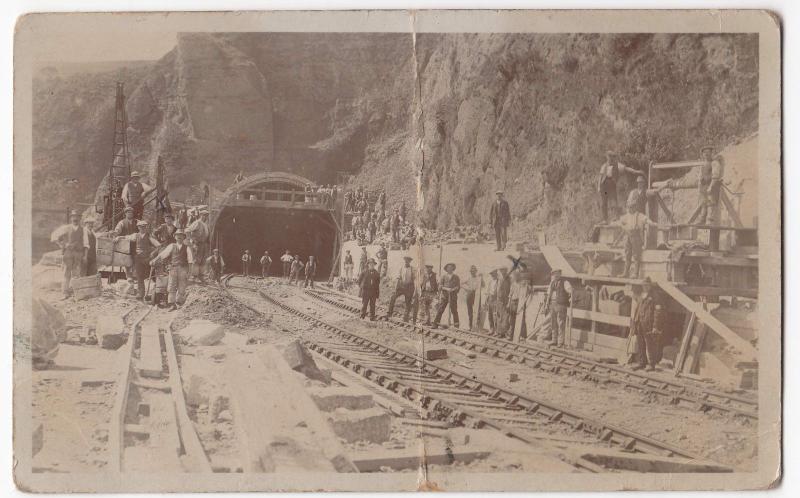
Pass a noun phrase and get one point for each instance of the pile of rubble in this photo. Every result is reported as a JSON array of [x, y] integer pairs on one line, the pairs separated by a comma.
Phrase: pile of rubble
[[215, 305]]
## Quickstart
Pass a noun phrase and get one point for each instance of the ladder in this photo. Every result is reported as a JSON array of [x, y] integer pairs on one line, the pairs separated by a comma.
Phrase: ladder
[[120, 170]]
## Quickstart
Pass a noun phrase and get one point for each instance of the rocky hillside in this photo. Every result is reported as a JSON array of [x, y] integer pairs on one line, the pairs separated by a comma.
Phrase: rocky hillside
[[531, 114]]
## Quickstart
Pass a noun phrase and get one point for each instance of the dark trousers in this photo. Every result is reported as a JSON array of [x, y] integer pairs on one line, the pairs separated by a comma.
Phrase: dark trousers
[[512, 318], [501, 236], [138, 209], [286, 268], [141, 268], [470, 303], [451, 299], [649, 349], [265, 270], [309, 281], [396, 235], [490, 312], [608, 195], [407, 291], [368, 300]]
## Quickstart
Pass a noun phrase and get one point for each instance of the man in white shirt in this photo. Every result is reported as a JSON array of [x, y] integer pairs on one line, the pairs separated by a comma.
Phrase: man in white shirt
[[74, 243], [179, 256], [145, 245], [471, 285], [405, 287], [633, 225], [198, 231], [610, 172], [286, 259], [491, 300]]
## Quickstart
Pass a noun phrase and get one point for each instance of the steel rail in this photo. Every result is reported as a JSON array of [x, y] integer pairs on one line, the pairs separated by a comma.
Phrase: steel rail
[[564, 363], [611, 434]]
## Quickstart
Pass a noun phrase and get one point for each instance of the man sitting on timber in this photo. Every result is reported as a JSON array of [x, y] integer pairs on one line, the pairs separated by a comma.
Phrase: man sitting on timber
[[370, 283], [146, 247], [404, 287], [179, 256]]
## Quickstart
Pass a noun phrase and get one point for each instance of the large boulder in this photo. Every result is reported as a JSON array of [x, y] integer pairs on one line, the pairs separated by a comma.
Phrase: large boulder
[[49, 329], [202, 333]]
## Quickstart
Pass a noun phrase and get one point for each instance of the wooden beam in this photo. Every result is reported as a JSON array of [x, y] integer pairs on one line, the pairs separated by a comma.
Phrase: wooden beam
[[687, 337], [557, 261], [620, 321], [731, 211], [710, 320], [690, 290], [150, 361], [413, 459], [679, 164]]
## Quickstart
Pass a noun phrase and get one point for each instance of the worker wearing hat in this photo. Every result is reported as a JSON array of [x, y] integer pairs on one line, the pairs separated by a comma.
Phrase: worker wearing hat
[[610, 172], [348, 266], [633, 225], [310, 272], [246, 260], [471, 285], [499, 219], [133, 195], [90, 261], [429, 287], [198, 233], [708, 185], [126, 226], [215, 265], [405, 286], [286, 260], [165, 233], [369, 282], [296, 269], [556, 302], [74, 246], [449, 286], [383, 260], [146, 246], [266, 263], [646, 327], [503, 291], [491, 300], [179, 256]]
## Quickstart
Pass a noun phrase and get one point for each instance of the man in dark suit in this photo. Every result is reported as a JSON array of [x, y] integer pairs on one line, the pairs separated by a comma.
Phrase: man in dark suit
[[499, 218], [370, 283]]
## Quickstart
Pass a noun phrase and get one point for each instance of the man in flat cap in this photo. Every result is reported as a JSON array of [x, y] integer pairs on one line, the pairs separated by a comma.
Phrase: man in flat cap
[[146, 249], [556, 302], [133, 195], [74, 245], [448, 295], [179, 256], [428, 289], [165, 233], [127, 226], [404, 287], [370, 283], [610, 172], [499, 219]]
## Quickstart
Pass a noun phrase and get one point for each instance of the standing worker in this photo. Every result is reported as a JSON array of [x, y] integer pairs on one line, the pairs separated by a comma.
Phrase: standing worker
[[146, 248], [448, 289], [394, 226], [370, 283], [708, 185], [610, 172], [633, 225], [555, 305], [266, 262], [179, 256], [646, 326], [133, 195], [198, 231], [503, 291], [383, 260], [294, 272], [246, 258], [499, 219], [405, 287], [348, 266], [215, 265], [127, 226], [74, 245], [491, 301], [471, 286], [165, 233], [90, 262], [311, 272], [286, 259], [362, 261], [514, 295], [429, 287]]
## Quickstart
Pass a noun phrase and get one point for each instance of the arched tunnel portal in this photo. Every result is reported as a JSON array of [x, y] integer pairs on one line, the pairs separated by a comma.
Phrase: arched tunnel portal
[[273, 212]]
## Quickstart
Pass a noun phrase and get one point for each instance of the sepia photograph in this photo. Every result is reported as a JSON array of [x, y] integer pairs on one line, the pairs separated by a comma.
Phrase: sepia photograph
[[397, 251]]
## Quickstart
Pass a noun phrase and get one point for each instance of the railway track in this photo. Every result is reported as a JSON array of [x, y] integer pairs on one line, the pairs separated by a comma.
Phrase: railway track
[[150, 427], [563, 363], [462, 399]]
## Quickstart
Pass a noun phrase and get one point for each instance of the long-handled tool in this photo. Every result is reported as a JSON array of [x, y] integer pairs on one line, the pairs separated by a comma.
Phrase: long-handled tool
[[149, 280]]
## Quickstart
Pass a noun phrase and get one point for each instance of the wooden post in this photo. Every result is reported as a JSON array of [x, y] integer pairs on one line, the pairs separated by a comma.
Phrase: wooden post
[[569, 326], [687, 337], [595, 308]]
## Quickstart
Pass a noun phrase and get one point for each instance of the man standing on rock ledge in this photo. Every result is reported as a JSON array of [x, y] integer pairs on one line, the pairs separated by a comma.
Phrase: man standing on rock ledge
[[610, 172], [179, 256], [499, 219]]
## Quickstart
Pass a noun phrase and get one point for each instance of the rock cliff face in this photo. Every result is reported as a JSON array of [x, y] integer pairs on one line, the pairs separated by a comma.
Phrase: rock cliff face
[[531, 114]]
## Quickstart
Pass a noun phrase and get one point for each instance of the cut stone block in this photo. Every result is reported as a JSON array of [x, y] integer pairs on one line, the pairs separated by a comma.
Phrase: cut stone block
[[435, 354], [202, 333], [37, 442], [329, 399], [150, 361], [110, 330], [299, 359], [372, 424], [196, 391]]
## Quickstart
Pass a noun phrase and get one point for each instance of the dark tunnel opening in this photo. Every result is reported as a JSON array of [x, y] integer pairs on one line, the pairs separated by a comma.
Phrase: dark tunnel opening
[[301, 231]]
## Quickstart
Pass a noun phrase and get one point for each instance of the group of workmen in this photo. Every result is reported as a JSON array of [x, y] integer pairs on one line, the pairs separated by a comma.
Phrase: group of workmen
[[295, 271]]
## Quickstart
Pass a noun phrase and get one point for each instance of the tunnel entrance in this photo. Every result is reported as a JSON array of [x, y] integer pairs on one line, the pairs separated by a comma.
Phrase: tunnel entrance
[[274, 212]]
